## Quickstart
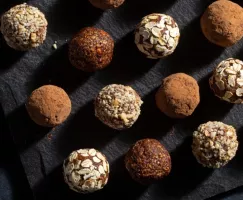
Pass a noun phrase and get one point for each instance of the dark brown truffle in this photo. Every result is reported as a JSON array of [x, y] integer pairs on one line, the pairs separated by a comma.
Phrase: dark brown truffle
[[178, 95], [91, 49], [106, 4], [48, 106], [222, 23], [148, 161]]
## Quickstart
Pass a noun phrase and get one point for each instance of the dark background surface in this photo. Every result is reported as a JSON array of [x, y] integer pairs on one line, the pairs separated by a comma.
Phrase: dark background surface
[[42, 150]]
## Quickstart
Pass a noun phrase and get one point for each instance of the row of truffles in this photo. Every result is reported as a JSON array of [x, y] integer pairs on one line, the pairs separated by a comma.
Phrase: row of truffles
[[87, 170], [91, 49], [117, 106], [147, 161], [157, 35]]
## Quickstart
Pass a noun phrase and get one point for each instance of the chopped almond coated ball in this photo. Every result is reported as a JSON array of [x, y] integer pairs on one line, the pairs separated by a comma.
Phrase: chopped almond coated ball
[[214, 144], [24, 27], [118, 106]]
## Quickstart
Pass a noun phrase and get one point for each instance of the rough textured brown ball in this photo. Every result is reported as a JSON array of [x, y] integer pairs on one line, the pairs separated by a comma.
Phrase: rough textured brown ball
[[106, 4], [178, 95], [222, 23], [148, 161], [91, 49], [48, 106]]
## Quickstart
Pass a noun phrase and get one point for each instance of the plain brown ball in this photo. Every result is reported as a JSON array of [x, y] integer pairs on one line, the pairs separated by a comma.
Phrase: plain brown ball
[[222, 23], [148, 161], [106, 4], [178, 95], [91, 49], [48, 106]]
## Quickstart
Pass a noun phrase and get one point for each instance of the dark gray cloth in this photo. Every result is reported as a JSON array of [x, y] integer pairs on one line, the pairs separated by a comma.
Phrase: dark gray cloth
[[43, 150]]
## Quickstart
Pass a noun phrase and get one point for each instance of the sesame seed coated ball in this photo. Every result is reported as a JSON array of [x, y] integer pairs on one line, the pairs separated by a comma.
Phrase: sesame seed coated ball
[[157, 35], [86, 170], [227, 81], [214, 144], [24, 27], [91, 49], [148, 161], [118, 106]]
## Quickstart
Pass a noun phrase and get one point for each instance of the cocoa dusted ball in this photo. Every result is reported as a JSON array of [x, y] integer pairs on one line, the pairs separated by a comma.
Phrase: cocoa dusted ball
[[48, 106], [214, 144], [157, 35], [86, 170], [222, 23], [91, 49], [118, 106], [148, 161], [106, 4], [227, 80], [24, 27], [178, 95]]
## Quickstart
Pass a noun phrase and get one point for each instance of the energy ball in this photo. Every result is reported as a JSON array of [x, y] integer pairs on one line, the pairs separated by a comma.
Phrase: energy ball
[[48, 106], [214, 144], [118, 106], [222, 23], [106, 4], [91, 49], [24, 27], [86, 170], [157, 35], [148, 161], [178, 95], [227, 80]]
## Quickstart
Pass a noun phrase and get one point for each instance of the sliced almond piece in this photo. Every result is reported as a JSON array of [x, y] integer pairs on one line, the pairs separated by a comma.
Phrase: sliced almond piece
[[228, 94], [86, 163], [231, 80], [239, 92], [96, 160], [239, 81], [156, 32], [150, 25], [92, 152], [230, 71]]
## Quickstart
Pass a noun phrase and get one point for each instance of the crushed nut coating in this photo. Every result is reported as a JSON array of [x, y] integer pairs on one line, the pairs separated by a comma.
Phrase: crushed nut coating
[[118, 106], [148, 161], [157, 35], [214, 144], [227, 81], [24, 27], [86, 170]]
